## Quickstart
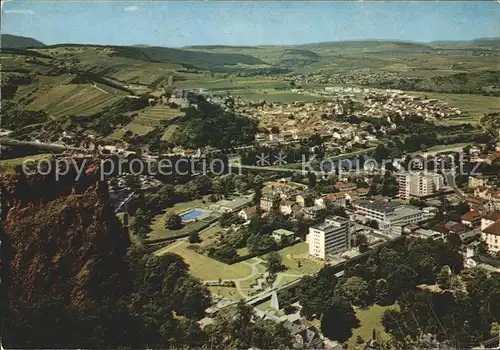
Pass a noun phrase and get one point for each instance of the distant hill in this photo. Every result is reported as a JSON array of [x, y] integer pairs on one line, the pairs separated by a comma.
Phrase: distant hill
[[19, 42], [492, 43], [213, 61]]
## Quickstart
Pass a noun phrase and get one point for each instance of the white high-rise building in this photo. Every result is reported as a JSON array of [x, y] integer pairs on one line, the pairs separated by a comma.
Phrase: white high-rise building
[[331, 237], [419, 184]]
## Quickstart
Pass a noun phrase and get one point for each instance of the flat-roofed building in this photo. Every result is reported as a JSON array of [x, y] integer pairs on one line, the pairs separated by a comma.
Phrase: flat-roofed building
[[331, 237], [388, 214]]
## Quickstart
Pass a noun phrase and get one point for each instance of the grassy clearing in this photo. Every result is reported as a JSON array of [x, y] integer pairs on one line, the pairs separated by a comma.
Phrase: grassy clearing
[[148, 119], [246, 285], [169, 132], [286, 279], [225, 292], [158, 229], [205, 268], [152, 116], [298, 253], [209, 236], [7, 166], [370, 318]]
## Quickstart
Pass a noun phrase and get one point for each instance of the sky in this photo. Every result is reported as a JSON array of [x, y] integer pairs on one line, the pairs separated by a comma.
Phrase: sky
[[183, 23]]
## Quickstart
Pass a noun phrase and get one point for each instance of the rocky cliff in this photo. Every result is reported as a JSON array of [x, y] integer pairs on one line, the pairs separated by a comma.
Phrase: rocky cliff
[[61, 240]]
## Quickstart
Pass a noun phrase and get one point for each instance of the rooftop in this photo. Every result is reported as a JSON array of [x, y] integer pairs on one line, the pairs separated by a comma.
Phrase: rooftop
[[380, 206], [493, 229], [272, 198], [493, 216], [471, 216], [330, 223], [283, 232]]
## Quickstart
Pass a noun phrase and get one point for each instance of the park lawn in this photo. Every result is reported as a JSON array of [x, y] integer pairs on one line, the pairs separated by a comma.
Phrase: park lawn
[[286, 279], [298, 252], [205, 268], [209, 236], [225, 292], [158, 229], [370, 318], [247, 284]]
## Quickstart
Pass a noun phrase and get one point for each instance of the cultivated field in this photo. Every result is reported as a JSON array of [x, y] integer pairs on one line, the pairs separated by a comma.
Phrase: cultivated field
[[153, 116], [74, 99], [147, 120]]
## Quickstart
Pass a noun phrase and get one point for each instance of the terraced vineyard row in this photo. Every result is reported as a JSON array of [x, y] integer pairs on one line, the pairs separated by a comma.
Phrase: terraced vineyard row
[[149, 119], [73, 100]]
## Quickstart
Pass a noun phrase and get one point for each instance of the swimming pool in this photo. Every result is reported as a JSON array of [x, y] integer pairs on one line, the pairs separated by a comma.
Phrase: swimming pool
[[192, 215]]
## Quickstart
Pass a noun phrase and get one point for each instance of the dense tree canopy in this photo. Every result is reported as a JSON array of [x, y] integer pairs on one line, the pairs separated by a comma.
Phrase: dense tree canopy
[[210, 125], [234, 329]]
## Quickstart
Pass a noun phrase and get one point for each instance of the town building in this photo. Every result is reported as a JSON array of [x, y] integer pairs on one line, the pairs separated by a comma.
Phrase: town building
[[270, 203], [419, 184], [310, 213], [427, 234], [288, 207], [489, 219], [331, 237], [491, 235], [490, 195], [336, 199], [281, 235], [306, 199], [471, 218], [230, 206], [247, 213], [345, 186], [477, 181], [388, 214]]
